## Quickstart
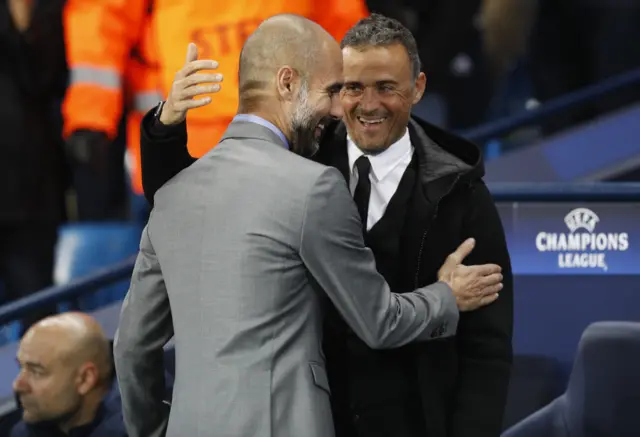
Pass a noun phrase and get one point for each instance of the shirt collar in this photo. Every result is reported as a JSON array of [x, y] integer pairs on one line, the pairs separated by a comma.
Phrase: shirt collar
[[383, 163], [251, 118]]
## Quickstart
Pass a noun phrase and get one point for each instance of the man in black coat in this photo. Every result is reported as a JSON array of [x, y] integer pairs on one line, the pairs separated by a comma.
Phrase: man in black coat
[[420, 193], [33, 78]]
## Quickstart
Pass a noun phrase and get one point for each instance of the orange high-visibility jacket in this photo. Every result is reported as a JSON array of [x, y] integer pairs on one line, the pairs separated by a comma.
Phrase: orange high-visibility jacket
[[128, 51]]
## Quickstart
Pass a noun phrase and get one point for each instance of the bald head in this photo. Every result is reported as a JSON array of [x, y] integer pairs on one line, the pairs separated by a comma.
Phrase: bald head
[[77, 339], [282, 40], [290, 75], [65, 370]]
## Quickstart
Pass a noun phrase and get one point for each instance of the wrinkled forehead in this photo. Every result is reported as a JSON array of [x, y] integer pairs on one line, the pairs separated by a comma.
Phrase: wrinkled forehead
[[42, 350]]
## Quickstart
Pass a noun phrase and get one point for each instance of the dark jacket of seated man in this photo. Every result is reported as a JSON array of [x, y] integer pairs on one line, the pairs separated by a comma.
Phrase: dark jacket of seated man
[[454, 387], [107, 422]]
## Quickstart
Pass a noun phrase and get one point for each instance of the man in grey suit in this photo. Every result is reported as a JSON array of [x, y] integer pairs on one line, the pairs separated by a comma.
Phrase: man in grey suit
[[242, 249]]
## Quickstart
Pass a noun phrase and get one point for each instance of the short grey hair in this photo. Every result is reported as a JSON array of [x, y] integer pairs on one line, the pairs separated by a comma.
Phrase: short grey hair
[[377, 30]]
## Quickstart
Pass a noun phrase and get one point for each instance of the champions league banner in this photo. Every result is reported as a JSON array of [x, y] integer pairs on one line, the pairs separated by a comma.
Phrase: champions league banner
[[573, 238]]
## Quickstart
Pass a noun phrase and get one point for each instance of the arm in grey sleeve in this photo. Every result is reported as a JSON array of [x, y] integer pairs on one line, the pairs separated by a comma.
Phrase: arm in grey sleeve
[[145, 327], [333, 250]]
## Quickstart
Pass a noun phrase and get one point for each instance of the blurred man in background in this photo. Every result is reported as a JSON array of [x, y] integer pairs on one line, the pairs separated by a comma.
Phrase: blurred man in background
[[66, 384], [32, 171], [126, 53]]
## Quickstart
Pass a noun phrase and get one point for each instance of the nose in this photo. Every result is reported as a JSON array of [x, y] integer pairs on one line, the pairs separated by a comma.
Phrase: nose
[[369, 101], [19, 384], [336, 107]]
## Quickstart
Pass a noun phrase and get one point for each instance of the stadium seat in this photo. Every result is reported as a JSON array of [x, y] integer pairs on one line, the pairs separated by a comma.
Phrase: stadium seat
[[86, 247], [603, 396], [535, 381], [10, 332]]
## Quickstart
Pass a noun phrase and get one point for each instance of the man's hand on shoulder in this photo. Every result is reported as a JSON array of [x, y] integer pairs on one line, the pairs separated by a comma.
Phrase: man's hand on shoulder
[[188, 84], [473, 286]]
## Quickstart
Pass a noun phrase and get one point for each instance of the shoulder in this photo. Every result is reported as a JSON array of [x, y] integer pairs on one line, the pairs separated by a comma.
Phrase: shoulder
[[287, 167], [314, 181], [472, 197], [329, 193], [480, 194], [111, 426], [112, 423], [20, 429], [306, 168]]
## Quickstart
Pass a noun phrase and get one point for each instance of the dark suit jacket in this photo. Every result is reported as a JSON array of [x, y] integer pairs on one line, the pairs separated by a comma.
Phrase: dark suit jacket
[[463, 380], [107, 423]]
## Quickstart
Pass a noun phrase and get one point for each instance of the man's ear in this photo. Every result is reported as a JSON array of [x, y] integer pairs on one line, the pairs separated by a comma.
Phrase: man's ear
[[87, 378], [421, 84], [285, 79]]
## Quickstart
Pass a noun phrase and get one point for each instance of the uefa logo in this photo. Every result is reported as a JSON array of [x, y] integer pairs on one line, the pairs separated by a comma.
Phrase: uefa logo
[[582, 247], [581, 218]]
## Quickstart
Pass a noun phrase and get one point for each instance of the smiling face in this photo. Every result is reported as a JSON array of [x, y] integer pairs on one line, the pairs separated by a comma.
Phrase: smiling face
[[317, 100], [378, 94]]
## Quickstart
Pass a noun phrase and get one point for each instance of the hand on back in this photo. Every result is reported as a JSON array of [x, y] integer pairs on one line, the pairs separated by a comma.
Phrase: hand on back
[[473, 286]]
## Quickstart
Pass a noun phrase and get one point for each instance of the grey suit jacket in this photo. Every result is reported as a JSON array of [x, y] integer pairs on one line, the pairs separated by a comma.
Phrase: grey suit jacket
[[239, 256]]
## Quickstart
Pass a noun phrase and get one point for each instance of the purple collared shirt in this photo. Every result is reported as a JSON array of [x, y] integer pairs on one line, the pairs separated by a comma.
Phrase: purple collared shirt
[[262, 122]]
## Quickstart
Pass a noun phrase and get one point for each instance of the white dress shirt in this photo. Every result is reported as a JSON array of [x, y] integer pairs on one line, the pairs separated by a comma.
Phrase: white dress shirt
[[387, 169]]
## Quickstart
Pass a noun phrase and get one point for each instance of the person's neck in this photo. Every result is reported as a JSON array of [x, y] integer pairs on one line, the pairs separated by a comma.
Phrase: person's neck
[[85, 414], [271, 115]]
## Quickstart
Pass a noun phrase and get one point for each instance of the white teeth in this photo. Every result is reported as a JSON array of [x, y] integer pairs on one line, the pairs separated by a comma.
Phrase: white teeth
[[372, 121]]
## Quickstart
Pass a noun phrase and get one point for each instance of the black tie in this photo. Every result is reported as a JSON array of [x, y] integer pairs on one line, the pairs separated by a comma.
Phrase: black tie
[[363, 189]]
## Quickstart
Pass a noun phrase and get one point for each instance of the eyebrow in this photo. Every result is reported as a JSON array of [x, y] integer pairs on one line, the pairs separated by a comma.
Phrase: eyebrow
[[378, 83], [31, 364], [386, 82]]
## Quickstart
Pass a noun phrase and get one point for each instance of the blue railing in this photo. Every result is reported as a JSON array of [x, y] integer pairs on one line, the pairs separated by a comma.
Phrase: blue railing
[[562, 192], [552, 108], [502, 192], [55, 295]]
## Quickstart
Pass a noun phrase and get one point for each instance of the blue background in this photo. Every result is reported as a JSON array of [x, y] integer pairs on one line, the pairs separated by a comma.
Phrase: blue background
[[523, 222]]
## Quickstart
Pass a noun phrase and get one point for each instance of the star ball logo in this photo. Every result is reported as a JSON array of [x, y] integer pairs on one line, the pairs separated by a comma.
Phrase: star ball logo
[[582, 247]]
